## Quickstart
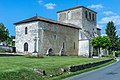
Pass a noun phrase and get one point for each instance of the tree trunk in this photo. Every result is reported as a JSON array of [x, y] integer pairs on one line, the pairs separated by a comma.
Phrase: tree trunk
[[107, 51], [99, 52]]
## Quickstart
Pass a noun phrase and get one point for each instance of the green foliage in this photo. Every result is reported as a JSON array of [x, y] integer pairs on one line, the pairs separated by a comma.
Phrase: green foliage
[[97, 42], [105, 42], [100, 42], [117, 53], [111, 33], [4, 33], [110, 56], [10, 41], [118, 44], [2, 50]]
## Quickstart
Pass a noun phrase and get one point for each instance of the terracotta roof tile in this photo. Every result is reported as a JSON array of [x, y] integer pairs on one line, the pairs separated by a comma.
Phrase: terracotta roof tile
[[39, 18]]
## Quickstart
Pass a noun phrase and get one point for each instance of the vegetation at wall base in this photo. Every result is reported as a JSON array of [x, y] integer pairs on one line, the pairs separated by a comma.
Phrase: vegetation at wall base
[[117, 53]]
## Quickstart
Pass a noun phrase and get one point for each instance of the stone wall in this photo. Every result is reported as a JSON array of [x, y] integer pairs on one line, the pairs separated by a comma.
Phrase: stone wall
[[55, 37], [84, 48], [89, 29], [22, 38], [89, 25], [71, 16], [89, 65], [78, 17]]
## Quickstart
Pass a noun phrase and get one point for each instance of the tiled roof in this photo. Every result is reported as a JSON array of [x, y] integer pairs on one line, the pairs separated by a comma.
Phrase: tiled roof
[[75, 7], [39, 18]]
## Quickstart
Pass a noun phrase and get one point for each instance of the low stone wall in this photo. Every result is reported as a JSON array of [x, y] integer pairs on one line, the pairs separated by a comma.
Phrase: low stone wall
[[71, 68], [88, 65]]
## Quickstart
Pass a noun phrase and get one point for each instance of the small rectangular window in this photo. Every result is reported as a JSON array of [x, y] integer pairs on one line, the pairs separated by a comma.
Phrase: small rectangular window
[[55, 37], [63, 45], [93, 17], [74, 45], [86, 14], [26, 30], [90, 15]]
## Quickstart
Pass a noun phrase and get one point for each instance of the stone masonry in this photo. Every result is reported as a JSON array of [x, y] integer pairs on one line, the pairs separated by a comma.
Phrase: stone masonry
[[70, 35]]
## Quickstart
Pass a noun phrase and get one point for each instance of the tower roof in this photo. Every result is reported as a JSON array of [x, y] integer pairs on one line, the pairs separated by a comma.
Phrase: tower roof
[[75, 7]]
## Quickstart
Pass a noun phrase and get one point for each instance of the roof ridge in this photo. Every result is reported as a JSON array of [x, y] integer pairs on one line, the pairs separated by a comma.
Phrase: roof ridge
[[39, 18], [74, 7]]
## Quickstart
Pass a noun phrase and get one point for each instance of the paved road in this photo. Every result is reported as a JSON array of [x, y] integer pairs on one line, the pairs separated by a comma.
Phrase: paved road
[[111, 72]]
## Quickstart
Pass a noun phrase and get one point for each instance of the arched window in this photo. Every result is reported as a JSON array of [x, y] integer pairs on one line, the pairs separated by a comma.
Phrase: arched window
[[26, 30], [26, 47], [86, 14]]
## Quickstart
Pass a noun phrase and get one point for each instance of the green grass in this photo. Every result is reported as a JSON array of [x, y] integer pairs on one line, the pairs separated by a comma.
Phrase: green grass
[[18, 66]]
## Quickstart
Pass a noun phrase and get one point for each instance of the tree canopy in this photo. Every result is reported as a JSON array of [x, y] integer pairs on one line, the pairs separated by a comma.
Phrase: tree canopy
[[100, 42], [111, 33], [4, 33], [105, 42]]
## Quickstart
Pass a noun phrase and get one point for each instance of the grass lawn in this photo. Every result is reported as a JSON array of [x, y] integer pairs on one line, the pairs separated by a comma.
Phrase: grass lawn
[[12, 67]]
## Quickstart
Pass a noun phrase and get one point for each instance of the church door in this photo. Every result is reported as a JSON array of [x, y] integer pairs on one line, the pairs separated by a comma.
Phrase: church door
[[26, 47]]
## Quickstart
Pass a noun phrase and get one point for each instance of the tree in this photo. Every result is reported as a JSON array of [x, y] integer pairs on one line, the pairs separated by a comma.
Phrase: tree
[[4, 33], [97, 43], [118, 44], [100, 42], [111, 33], [105, 42], [10, 41]]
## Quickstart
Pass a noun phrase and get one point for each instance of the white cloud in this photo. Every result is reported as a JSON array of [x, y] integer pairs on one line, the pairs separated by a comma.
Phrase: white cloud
[[103, 35], [50, 5], [40, 1], [109, 13], [115, 19], [96, 6], [100, 26]]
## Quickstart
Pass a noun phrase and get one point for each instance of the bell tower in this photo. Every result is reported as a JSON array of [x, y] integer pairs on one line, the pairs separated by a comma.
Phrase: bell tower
[[80, 16]]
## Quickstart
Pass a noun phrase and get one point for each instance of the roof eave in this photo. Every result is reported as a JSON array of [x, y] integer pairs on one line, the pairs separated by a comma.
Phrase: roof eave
[[76, 8]]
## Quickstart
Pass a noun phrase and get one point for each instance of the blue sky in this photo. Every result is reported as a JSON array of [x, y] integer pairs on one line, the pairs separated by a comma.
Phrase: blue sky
[[12, 11]]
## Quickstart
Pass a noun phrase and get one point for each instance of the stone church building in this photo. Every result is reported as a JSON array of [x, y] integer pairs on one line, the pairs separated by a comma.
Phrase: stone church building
[[69, 35]]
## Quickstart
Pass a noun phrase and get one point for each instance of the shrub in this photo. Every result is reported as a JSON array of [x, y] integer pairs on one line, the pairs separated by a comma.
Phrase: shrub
[[35, 56], [117, 53], [2, 50], [110, 56]]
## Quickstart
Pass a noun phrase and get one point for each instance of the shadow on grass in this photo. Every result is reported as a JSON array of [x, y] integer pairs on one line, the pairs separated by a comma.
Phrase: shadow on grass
[[6, 55]]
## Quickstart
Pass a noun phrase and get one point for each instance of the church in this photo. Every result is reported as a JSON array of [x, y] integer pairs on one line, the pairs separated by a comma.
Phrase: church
[[69, 35]]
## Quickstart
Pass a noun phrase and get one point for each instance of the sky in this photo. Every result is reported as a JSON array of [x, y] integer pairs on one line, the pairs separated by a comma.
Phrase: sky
[[12, 11]]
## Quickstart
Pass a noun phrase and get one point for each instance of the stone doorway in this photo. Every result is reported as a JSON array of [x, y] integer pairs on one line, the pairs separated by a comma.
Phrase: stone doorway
[[26, 47], [50, 52]]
